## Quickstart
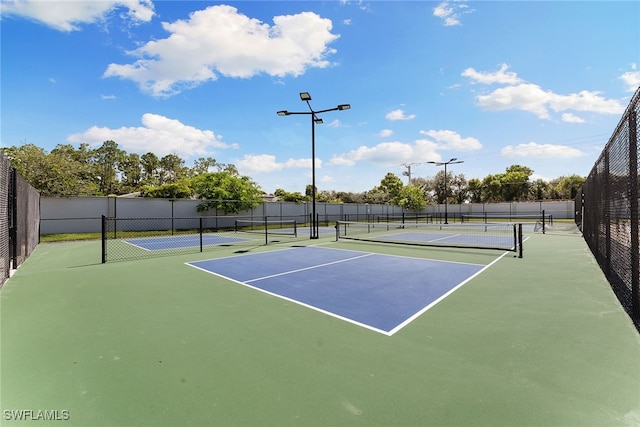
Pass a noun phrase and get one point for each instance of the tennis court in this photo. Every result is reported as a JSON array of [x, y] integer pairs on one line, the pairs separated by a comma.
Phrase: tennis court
[[376, 291], [174, 242], [316, 333]]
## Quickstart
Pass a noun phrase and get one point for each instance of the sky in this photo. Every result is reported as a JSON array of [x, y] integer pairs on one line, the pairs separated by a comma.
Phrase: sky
[[541, 84]]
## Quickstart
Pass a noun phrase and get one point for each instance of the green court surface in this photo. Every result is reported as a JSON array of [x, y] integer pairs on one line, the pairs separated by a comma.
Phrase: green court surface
[[537, 341]]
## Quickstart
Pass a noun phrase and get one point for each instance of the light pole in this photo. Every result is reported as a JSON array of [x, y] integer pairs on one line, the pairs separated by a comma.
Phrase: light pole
[[453, 161], [304, 96]]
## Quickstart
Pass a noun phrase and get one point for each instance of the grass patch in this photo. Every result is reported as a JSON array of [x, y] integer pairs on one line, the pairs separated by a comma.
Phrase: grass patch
[[69, 237]]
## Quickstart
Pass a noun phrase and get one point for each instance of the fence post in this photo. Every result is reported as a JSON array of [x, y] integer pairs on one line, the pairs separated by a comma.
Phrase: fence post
[[635, 227], [607, 212], [13, 217], [104, 239]]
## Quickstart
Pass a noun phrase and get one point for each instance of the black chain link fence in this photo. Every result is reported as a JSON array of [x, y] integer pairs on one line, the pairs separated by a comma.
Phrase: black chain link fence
[[608, 213], [19, 219], [5, 258]]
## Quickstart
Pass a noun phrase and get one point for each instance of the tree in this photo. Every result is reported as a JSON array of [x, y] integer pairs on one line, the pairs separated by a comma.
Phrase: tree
[[458, 189], [474, 189], [411, 197], [540, 189], [289, 197], [391, 185], [492, 189], [55, 174], [308, 191], [226, 192], [82, 179], [131, 169], [376, 196], [107, 158], [150, 165], [515, 183], [568, 187], [440, 188], [204, 165], [176, 190], [172, 169]]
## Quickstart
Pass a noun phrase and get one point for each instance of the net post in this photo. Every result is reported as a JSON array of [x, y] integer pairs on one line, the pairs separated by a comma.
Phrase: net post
[[337, 230], [104, 239], [295, 228], [544, 217], [520, 240], [200, 226]]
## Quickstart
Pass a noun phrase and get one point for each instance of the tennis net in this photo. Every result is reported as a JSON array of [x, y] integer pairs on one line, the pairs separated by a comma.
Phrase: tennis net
[[281, 227], [503, 236]]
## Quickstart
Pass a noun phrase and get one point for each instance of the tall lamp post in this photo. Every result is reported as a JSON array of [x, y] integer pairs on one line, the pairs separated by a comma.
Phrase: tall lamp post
[[304, 96], [453, 161]]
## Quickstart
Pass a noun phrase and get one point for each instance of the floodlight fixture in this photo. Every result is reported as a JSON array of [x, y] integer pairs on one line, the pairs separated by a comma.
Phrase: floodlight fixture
[[453, 160], [305, 96]]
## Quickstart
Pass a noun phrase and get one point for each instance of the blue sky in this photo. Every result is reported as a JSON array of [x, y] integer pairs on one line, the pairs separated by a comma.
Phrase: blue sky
[[542, 84]]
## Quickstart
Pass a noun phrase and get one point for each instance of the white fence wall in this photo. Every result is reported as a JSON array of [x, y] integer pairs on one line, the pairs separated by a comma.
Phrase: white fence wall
[[83, 214]]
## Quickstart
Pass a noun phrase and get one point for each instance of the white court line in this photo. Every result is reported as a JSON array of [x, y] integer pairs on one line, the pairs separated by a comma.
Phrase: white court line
[[443, 296], [308, 268], [346, 319], [295, 301]]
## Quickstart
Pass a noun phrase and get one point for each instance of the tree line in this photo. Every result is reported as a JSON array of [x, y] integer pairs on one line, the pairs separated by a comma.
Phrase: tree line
[[109, 170]]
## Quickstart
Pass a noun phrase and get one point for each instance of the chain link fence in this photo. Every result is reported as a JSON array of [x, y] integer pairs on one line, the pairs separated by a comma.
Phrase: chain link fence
[[19, 219], [5, 258], [608, 213]]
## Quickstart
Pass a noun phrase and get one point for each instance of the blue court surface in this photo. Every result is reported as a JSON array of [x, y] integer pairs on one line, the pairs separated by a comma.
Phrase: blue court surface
[[379, 292], [452, 238], [183, 241]]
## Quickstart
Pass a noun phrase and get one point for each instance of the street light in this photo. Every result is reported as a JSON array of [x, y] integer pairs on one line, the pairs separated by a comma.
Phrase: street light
[[453, 161], [305, 96]]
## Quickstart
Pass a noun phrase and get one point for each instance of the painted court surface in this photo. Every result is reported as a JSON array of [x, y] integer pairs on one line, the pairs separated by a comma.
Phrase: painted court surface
[[380, 292], [318, 333]]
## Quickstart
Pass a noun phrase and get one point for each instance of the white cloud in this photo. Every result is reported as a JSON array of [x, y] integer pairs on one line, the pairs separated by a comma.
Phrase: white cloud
[[532, 98], [158, 134], [448, 139], [631, 79], [266, 163], [450, 12], [533, 149], [389, 153], [572, 118], [399, 115], [220, 41], [68, 15], [107, 97], [385, 133], [327, 179], [501, 76]]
